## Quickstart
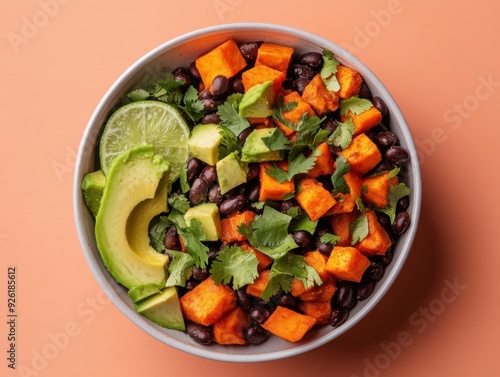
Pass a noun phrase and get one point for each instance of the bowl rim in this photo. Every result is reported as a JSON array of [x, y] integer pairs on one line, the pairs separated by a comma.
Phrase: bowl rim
[[208, 352]]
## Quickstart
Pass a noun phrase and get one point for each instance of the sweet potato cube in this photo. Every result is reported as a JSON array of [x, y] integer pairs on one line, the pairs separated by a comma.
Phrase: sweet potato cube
[[324, 164], [257, 287], [320, 98], [362, 154], [365, 121], [263, 259], [347, 202], [321, 292], [270, 188], [321, 310], [314, 198], [274, 56], [377, 241], [340, 226], [229, 226], [350, 81], [230, 329], [224, 59], [208, 302], [376, 189], [317, 261], [262, 73], [296, 113], [347, 263], [288, 324]]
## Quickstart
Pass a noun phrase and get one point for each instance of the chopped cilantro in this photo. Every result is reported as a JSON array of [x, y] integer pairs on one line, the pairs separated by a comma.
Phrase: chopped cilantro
[[271, 228], [229, 142], [179, 269], [277, 141], [233, 264], [138, 95], [354, 104], [329, 70], [178, 202], [230, 118], [193, 107], [338, 180], [192, 236], [395, 193], [303, 222], [329, 238], [359, 229], [296, 165], [342, 136], [158, 232], [185, 187]]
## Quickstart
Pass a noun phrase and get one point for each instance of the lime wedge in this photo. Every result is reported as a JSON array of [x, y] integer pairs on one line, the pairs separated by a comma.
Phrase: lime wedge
[[146, 123]]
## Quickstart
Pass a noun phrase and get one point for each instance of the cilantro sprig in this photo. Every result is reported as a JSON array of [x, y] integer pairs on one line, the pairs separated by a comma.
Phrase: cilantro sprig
[[234, 266], [229, 115], [395, 193], [329, 70], [355, 105]]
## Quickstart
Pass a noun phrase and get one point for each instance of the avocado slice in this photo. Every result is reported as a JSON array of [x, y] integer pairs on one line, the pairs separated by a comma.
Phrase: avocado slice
[[92, 188], [204, 143], [163, 308], [255, 150], [258, 101], [134, 191], [230, 172], [208, 215], [140, 292]]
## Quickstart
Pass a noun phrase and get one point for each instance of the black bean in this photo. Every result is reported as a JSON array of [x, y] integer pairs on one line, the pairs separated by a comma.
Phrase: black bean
[[338, 316], [232, 205], [403, 204], [199, 273], [329, 125], [300, 84], [243, 299], [384, 220], [205, 94], [401, 223], [345, 295], [324, 248], [220, 85], [364, 92], [256, 335], [210, 118], [376, 270], [200, 334], [193, 168], [384, 167], [254, 193], [386, 139], [242, 137], [287, 205], [259, 313], [209, 174], [253, 171], [312, 59], [182, 74], [191, 284], [194, 71], [212, 255], [236, 86], [365, 288], [288, 84], [171, 241], [249, 50], [302, 238], [380, 105], [198, 191], [209, 104], [386, 258], [288, 300], [301, 70], [214, 195], [396, 155]]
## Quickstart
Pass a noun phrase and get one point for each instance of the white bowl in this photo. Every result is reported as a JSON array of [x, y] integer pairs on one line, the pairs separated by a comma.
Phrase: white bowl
[[181, 51]]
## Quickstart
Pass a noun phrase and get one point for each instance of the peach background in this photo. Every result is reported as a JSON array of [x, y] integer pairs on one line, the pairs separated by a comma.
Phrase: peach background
[[435, 58]]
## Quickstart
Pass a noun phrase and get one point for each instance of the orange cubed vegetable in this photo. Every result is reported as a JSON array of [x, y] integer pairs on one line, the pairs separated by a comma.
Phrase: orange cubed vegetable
[[365, 121], [208, 302], [340, 226], [377, 241], [324, 164], [320, 98], [264, 122], [229, 226], [347, 202], [230, 329], [350, 81], [362, 154], [347, 263], [314, 198], [225, 59], [317, 261], [376, 189], [321, 310], [262, 73], [288, 324], [296, 113], [270, 188], [321, 292], [274, 56], [263, 259], [259, 284]]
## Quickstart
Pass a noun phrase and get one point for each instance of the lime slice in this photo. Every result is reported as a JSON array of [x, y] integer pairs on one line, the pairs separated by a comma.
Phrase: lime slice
[[146, 123]]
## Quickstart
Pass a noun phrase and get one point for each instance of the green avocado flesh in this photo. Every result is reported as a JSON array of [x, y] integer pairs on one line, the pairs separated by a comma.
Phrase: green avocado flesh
[[163, 308]]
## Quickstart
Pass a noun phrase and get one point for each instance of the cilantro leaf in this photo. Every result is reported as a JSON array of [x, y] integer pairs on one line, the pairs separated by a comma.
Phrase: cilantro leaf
[[342, 136], [229, 115], [311, 278], [158, 232], [191, 235], [296, 165], [329, 238], [179, 269], [276, 283], [395, 193], [273, 252], [341, 167], [271, 228], [329, 70], [236, 265], [303, 222], [185, 186], [138, 95], [359, 229], [178, 202], [229, 142], [354, 104], [277, 141], [359, 204], [193, 107]]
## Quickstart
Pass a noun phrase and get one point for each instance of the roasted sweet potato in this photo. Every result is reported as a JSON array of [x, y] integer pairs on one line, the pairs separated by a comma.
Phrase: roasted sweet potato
[[321, 310], [257, 287], [321, 292], [376, 189], [350, 81], [347, 202], [275, 56], [314, 198], [340, 226], [317, 261], [320, 98], [362, 154], [229, 226], [270, 188], [296, 113], [208, 302], [230, 328], [377, 241], [347, 263], [365, 121], [324, 164], [262, 73], [224, 59], [288, 324], [263, 259]]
